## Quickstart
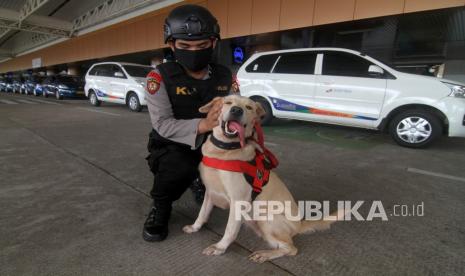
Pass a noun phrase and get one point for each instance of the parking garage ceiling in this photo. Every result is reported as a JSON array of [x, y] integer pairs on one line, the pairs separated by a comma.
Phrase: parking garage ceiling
[[28, 24]]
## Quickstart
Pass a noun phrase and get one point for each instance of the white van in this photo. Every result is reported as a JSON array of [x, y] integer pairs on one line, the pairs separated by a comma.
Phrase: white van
[[117, 82], [345, 87]]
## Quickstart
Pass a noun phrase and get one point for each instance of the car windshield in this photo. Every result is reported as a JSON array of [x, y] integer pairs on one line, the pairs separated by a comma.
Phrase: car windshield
[[67, 79], [36, 79], [137, 71]]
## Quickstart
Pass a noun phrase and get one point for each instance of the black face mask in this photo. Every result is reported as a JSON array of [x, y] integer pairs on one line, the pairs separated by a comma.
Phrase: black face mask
[[194, 60]]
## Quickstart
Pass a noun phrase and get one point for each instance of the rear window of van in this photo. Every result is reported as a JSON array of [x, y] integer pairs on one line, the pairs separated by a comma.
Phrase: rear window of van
[[262, 64]]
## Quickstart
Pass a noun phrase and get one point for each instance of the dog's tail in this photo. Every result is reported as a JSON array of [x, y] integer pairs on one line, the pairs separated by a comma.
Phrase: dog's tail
[[310, 226]]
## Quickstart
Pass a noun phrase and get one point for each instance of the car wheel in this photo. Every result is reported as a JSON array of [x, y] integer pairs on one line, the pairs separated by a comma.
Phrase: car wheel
[[415, 128], [93, 99], [35, 93], [58, 96], [134, 103], [268, 117]]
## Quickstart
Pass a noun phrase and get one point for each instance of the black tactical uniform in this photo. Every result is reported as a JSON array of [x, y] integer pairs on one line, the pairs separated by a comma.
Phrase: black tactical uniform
[[173, 99]]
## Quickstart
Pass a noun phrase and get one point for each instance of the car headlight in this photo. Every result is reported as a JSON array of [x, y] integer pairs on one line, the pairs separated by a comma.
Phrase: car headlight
[[457, 91]]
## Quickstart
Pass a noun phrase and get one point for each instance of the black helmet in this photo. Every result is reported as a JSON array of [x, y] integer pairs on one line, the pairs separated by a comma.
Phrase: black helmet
[[191, 22]]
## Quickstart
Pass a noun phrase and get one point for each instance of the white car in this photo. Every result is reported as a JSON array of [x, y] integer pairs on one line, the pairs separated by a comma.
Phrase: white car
[[117, 82], [345, 87]]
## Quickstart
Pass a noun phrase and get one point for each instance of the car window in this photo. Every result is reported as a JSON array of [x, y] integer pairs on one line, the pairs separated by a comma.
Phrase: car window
[[37, 79], [116, 68], [105, 70], [345, 64], [262, 64], [67, 79], [137, 71], [93, 71], [296, 63]]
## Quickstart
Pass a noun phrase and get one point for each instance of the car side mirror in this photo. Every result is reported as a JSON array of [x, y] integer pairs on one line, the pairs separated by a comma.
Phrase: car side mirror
[[375, 71], [119, 75]]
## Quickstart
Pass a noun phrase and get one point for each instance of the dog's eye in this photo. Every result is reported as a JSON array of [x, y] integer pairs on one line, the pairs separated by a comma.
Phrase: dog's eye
[[248, 107], [228, 103]]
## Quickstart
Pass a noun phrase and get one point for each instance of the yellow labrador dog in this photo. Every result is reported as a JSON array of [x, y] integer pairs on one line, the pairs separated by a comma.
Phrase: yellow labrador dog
[[224, 188]]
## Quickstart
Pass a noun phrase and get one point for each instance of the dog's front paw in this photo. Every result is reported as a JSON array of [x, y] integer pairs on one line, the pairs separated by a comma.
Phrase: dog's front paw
[[261, 256], [213, 250], [189, 229]]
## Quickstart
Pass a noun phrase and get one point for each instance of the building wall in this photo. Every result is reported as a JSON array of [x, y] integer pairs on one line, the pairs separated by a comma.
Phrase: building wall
[[236, 18]]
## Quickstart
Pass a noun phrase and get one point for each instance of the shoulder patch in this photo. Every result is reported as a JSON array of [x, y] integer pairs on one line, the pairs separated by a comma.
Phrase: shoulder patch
[[153, 82]]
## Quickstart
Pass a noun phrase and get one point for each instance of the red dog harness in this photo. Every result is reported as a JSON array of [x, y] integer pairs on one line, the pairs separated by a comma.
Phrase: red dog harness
[[256, 171]]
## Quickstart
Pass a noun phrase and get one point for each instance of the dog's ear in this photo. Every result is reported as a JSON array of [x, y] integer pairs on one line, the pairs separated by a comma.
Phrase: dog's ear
[[259, 110], [206, 108]]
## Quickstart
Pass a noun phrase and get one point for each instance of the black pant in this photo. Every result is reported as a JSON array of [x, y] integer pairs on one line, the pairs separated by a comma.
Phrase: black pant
[[175, 167]]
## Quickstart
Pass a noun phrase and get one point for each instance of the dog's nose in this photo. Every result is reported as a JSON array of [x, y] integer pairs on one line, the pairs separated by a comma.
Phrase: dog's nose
[[236, 111]]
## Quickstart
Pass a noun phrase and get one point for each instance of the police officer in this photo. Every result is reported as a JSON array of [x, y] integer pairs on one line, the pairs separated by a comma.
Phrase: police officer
[[175, 92]]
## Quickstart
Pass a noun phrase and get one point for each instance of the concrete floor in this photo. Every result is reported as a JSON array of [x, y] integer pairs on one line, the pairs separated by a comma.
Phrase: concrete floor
[[74, 195]]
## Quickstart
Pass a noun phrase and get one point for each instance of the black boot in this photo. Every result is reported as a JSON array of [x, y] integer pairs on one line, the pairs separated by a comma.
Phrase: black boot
[[198, 191], [156, 224]]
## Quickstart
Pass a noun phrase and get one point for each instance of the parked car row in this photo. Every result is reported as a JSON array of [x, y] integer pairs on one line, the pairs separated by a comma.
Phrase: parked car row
[[59, 86], [327, 85], [6, 85]]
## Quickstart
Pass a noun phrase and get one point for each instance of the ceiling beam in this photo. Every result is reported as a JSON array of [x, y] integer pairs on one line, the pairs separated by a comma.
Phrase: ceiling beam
[[4, 53], [35, 24], [3, 31], [108, 10], [31, 28], [28, 9]]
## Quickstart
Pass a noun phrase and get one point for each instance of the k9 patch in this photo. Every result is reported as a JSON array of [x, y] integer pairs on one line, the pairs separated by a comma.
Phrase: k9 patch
[[153, 82]]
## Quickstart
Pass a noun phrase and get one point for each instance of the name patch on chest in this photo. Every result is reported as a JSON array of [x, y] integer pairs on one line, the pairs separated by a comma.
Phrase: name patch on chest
[[222, 88]]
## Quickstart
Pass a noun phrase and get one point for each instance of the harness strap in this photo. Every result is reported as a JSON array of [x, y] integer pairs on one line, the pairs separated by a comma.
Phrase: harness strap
[[258, 172], [261, 142], [230, 165]]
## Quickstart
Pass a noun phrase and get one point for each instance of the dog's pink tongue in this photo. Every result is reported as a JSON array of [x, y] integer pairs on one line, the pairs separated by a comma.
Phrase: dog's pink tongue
[[233, 125]]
